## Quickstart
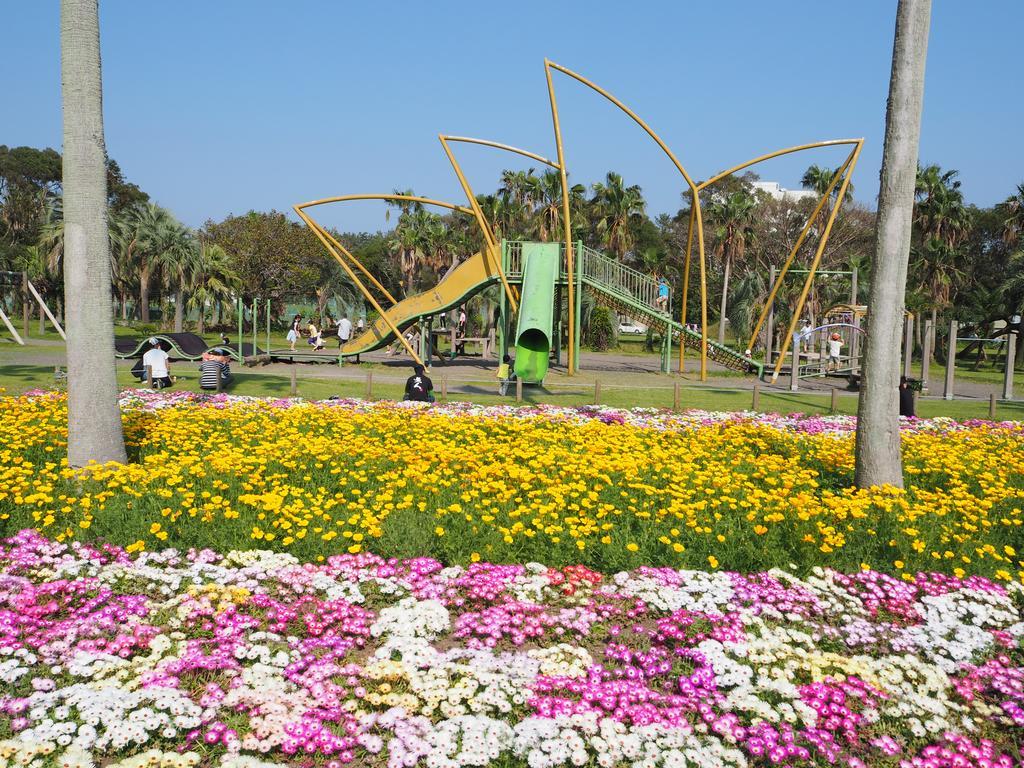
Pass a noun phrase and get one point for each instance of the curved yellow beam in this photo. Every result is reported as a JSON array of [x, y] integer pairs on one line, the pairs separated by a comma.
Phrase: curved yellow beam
[[506, 147], [778, 153], [852, 163], [694, 190], [485, 228], [355, 279], [799, 243], [323, 237], [410, 198], [686, 291], [326, 233]]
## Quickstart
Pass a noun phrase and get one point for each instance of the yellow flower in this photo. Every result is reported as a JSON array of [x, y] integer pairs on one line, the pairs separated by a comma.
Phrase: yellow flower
[[632, 547], [713, 561]]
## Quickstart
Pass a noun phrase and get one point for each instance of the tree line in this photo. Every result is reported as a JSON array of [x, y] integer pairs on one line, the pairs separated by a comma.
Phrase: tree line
[[966, 262]]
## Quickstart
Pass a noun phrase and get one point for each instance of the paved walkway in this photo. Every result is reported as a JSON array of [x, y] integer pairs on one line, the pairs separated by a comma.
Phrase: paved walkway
[[614, 369]]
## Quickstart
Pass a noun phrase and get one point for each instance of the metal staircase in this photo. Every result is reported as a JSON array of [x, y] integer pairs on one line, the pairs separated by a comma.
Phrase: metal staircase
[[633, 294]]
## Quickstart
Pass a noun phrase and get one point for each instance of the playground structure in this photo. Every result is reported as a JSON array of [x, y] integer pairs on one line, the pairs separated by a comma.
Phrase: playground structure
[[190, 346], [535, 282], [20, 281]]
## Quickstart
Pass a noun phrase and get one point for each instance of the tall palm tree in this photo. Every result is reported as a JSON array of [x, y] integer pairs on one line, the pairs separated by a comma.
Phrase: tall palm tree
[[878, 459], [177, 260], [819, 178], [156, 232], [94, 418], [731, 219], [213, 281], [944, 223], [931, 179], [617, 208], [1012, 209]]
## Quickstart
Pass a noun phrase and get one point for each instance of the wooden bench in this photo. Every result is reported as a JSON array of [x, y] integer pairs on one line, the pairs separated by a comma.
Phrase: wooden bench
[[487, 343]]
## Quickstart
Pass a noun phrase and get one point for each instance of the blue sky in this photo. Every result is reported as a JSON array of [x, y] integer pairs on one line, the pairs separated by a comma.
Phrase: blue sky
[[222, 106]]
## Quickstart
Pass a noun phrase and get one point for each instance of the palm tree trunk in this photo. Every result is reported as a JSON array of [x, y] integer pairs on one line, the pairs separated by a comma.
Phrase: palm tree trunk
[[179, 310], [201, 322], [144, 294], [935, 325], [878, 459], [94, 418], [725, 299]]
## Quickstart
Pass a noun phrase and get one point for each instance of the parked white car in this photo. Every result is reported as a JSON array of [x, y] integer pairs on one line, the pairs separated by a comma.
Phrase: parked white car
[[631, 327]]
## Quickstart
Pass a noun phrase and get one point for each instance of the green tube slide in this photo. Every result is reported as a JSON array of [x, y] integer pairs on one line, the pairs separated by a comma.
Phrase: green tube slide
[[536, 311]]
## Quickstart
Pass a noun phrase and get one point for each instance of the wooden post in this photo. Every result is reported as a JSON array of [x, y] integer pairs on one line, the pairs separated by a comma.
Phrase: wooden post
[[42, 321], [149, 376], [926, 354], [950, 362], [992, 406], [676, 397], [26, 313], [769, 328], [755, 404], [1011, 353], [519, 390], [854, 335], [794, 376], [834, 408], [220, 382], [295, 384], [444, 387], [369, 385], [597, 391], [908, 344]]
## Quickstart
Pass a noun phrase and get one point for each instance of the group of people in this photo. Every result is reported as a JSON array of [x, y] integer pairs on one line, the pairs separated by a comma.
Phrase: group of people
[[315, 336], [214, 367]]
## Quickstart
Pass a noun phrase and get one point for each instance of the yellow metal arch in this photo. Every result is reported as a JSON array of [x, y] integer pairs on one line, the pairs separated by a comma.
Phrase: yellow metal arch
[[336, 249], [777, 153], [694, 205], [485, 228]]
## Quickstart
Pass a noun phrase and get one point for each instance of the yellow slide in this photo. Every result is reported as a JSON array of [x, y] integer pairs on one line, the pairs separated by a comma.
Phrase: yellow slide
[[471, 276]]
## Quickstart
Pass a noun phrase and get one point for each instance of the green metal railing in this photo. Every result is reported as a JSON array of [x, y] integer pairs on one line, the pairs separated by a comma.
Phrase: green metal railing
[[631, 293]]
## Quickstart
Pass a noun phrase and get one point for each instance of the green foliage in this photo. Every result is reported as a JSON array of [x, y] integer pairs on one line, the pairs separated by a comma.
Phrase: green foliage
[[273, 257], [600, 332]]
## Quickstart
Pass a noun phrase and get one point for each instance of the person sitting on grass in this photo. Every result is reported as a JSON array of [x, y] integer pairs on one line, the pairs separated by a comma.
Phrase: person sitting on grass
[[419, 387], [157, 361], [215, 361]]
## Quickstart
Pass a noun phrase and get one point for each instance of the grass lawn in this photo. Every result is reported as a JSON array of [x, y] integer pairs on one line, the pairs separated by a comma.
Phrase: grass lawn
[[16, 378]]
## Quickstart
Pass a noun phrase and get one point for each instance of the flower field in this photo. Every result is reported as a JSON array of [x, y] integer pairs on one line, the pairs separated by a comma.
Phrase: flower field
[[605, 488], [179, 659], [353, 583]]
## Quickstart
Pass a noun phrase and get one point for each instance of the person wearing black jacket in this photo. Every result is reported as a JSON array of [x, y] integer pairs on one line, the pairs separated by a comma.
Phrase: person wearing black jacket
[[419, 387], [906, 397]]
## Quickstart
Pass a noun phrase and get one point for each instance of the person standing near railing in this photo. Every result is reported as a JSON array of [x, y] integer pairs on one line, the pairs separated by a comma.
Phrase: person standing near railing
[[662, 300]]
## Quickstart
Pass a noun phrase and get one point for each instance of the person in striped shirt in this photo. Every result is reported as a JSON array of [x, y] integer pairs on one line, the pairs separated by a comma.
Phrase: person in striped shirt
[[214, 361]]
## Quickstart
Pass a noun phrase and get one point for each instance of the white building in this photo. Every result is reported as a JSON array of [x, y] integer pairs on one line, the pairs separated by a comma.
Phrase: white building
[[775, 191]]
